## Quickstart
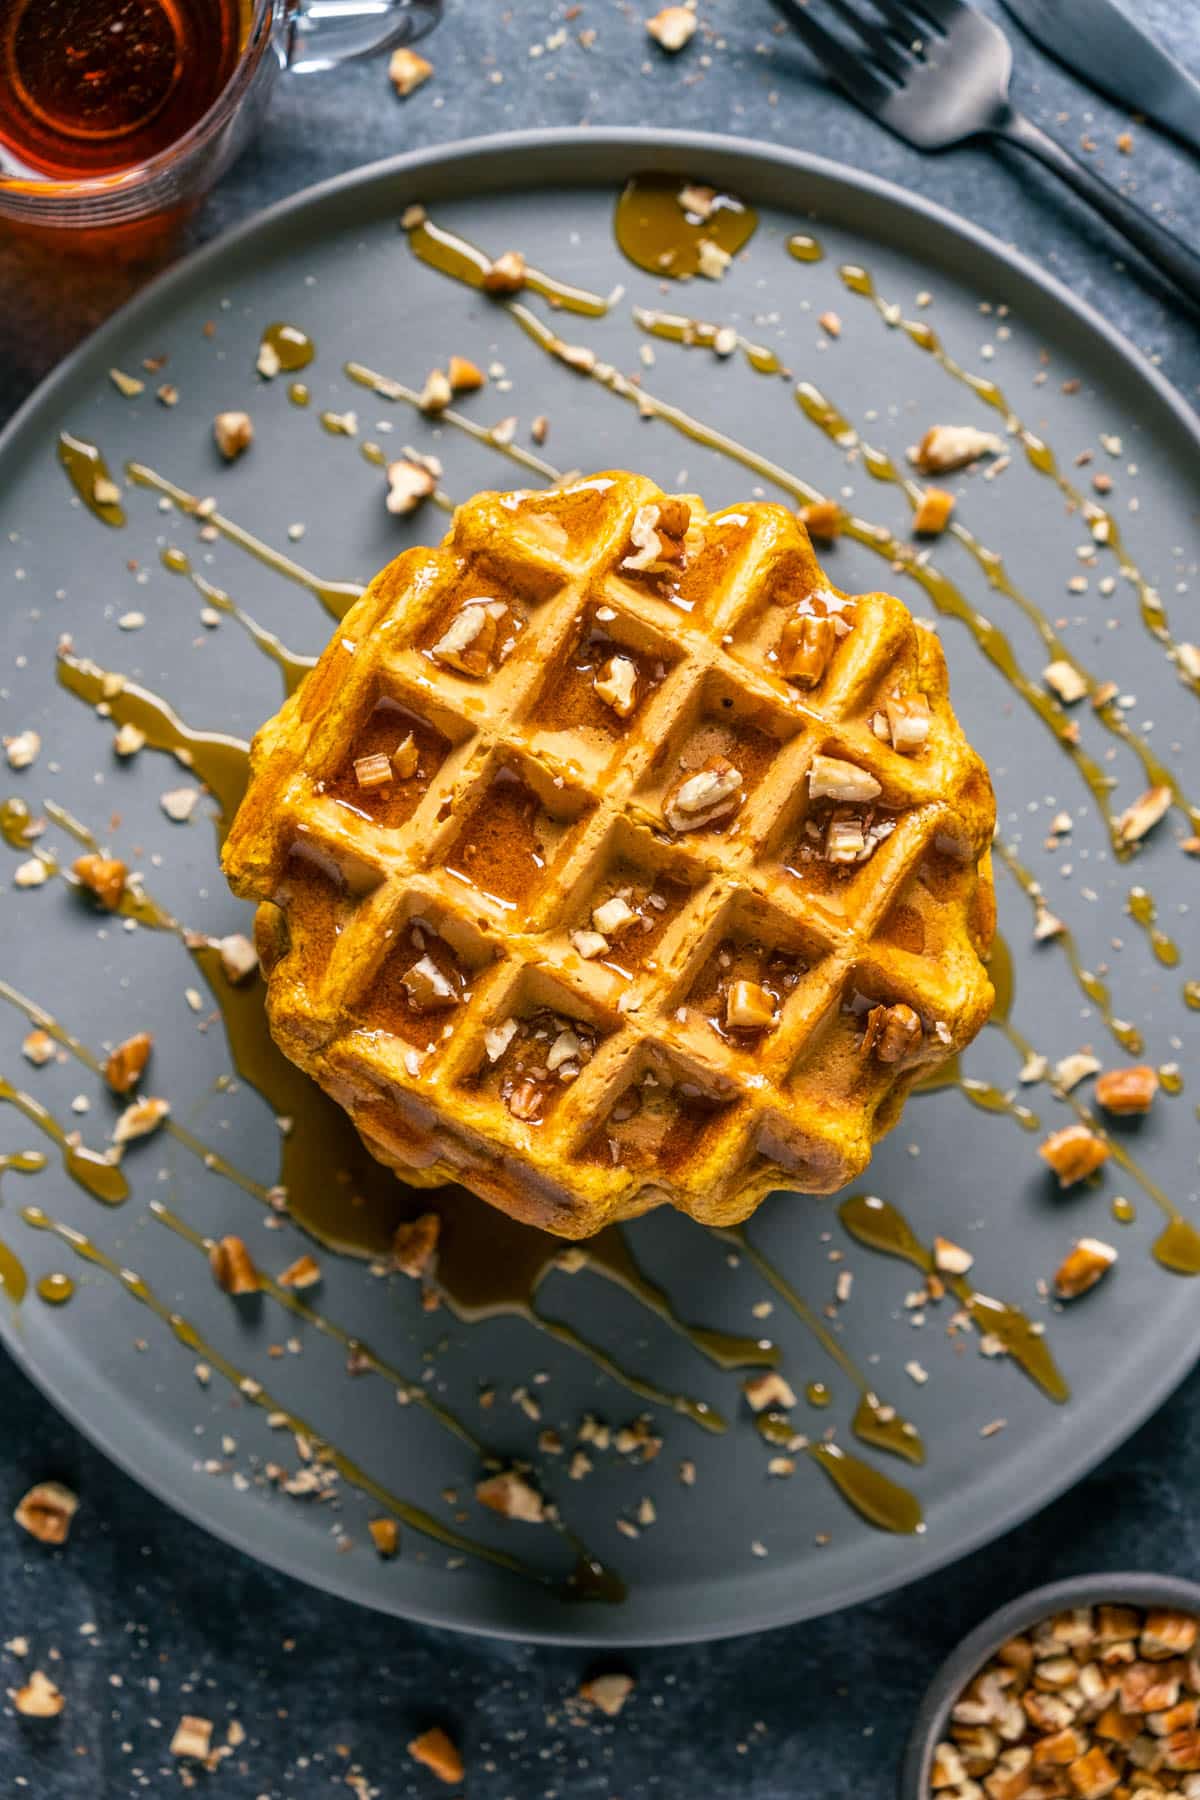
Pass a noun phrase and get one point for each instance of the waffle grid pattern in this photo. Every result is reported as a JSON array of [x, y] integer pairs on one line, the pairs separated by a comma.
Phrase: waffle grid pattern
[[510, 780]]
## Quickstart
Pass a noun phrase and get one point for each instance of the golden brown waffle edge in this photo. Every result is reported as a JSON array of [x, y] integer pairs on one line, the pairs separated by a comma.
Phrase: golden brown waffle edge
[[611, 858]]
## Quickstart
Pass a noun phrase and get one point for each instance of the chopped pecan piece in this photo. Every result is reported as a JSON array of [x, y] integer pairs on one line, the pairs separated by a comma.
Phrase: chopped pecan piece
[[126, 1063], [104, 877], [406, 758], [1144, 814], [1066, 681], [608, 1692], [1182, 1750], [234, 433], [657, 534], [1093, 1776], [1125, 1091], [439, 1755], [385, 1535], [702, 798], [616, 685], [846, 840], [233, 1267], [933, 512], [407, 71], [140, 1119], [373, 772], [1168, 1632], [469, 641], [435, 396], [948, 447], [506, 275], [1073, 1153], [1082, 1267], [408, 484], [465, 376], [749, 1007], [510, 1494], [893, 1032], [193, 1737], [46, 1512], [769, 1389], [672, 28], [909, 719], [39, 1698], [305, 1272], [414, 1244], [829, 777], [806, 644], [428, 990], [822, 519]]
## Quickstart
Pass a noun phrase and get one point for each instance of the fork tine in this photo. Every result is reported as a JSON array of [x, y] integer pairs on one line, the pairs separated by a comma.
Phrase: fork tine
[[919, 17], [845, 68], [881, 47]]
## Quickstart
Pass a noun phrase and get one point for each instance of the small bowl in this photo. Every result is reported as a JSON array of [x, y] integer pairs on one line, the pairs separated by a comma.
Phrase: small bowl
[[933, 1714]]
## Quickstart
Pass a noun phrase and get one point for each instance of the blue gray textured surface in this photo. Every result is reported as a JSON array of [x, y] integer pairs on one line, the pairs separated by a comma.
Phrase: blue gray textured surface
[[142, 1618]]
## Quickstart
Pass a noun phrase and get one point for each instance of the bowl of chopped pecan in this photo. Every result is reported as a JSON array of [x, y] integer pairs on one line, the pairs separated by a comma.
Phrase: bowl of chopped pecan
[[1083, 1689]]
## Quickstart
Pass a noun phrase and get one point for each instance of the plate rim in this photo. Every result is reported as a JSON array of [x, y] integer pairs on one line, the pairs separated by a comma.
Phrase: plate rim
[[607, 142]]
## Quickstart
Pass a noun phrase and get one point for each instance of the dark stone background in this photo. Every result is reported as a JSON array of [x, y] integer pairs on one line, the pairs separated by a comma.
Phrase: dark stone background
[[142, 1616]]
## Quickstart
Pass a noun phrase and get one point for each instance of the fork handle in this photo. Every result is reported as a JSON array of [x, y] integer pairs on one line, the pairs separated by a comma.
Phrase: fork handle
[[1155, 242]]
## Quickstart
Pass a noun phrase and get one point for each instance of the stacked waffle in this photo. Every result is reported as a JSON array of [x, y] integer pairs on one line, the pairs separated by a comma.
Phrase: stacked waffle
[[611, 858]]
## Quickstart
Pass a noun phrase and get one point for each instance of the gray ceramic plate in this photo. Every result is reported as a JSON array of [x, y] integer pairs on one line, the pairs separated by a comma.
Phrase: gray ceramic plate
[[738, 1550]]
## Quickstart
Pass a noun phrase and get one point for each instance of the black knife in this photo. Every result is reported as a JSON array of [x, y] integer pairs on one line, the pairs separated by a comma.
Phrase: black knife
[[1100, 43]]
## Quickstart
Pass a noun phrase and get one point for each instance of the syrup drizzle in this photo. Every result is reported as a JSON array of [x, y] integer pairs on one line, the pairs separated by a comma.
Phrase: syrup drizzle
[[85, 466], [874, 1496], [387, 388], [822, 413], [944, 595], [292, 345], [13, 1280], [1142, 910], [291, 665], [761, 462], [55, 1289], [700, 334], [875, 1422], [218, 759], [489, 1266], [453, 255], [92, 1170], [1177, 1246], [881, 1226], [657, 231], [186, 1333], [1038, 453], [1095, 990], [337, 597]]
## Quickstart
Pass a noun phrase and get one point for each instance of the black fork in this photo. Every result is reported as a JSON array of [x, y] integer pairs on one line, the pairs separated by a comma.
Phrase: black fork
[[936, 72]]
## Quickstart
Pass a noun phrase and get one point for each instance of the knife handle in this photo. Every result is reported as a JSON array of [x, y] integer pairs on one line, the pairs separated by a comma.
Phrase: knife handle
[[1160, 246]]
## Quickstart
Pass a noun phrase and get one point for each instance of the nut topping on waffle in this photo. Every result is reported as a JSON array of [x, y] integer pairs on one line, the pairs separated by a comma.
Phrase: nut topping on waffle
[[611, 858]]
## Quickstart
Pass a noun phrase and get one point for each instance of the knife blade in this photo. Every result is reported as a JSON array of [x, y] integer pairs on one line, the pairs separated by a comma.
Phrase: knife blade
[[1096, 40]]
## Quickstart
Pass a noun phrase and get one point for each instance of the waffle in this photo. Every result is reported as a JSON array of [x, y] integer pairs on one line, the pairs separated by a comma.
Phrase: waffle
[[610, 858]]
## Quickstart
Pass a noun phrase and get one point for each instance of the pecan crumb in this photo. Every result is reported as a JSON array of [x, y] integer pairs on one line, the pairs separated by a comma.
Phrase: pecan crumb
[[104, 877], [233, 1267], [39, 1698], [608, 1692], [46, 1512], [1073, 1153], [125, 1064], [438, 1754], [414, 1245], [407, 71], [234, 433]]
